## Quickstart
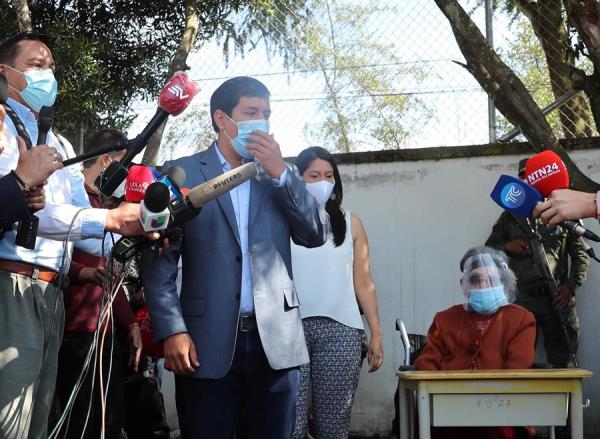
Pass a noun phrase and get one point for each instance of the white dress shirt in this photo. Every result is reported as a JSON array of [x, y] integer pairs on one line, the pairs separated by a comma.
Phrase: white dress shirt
[[65, 196]]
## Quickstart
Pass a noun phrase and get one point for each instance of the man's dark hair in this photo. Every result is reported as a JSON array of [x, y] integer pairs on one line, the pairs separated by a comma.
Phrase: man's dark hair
[[333, 206], [104, 138], [9, 46], [228, 95]]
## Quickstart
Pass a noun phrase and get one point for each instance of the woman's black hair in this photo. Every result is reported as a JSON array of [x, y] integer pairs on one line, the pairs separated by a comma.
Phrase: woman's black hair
[[334, 205]]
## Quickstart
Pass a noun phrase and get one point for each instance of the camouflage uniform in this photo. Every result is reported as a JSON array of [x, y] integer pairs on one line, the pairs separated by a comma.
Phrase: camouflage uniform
[[533, 293]]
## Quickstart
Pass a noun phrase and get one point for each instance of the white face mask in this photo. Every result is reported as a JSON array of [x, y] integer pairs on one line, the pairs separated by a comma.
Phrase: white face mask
[[321, 190]]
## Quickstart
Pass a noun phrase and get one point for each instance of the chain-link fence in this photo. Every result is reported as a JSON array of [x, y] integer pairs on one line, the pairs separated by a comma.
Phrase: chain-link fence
[[370, 75]]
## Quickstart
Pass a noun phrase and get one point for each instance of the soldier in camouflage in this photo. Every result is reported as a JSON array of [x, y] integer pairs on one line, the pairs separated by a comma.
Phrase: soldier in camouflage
[[567, 261]]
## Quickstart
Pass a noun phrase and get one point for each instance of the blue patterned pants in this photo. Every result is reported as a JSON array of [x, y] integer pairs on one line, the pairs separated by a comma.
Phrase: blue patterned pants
[[330, 379]]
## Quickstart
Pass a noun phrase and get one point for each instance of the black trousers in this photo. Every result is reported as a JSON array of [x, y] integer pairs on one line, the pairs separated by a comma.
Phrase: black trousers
[[71, 358]]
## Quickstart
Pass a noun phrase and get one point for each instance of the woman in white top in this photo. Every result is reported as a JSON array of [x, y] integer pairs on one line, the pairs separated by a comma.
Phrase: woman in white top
[[332, 281]]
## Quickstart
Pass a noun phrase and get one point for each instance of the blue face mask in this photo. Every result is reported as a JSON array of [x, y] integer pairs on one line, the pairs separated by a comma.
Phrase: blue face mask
[[41, 88], [486, 300], [245, 127]]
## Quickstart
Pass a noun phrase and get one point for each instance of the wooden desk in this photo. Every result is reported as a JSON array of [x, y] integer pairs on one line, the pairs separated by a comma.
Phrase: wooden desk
[[535, 397]]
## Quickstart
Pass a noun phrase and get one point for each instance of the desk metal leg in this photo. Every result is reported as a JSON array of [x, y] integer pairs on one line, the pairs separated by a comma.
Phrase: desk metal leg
[[576, 413], [404, 421], [423, 409]]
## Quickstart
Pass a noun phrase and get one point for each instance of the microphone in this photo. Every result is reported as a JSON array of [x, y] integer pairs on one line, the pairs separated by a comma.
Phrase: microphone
[[546, 172], [157, 193], [154, 208], [27, 229], [519, 198], [173, 99], [514, 195], [215, 187], [45, 121], [173, 178], [586, 245], [181, 208], [136, 183]]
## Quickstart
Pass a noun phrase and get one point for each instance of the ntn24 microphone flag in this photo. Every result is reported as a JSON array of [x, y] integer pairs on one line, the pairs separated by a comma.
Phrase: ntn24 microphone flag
[[547, 172]]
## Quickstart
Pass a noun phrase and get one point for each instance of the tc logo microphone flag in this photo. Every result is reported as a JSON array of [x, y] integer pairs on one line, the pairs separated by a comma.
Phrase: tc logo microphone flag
[[513, 195]]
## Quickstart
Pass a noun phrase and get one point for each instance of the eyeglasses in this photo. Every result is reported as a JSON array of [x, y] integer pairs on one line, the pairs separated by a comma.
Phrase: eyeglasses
[[478, 280]]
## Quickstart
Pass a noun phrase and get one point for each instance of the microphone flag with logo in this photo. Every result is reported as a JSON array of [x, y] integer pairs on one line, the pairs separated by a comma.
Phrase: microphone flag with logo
[[137, 181], [546, 172], [514, 195]]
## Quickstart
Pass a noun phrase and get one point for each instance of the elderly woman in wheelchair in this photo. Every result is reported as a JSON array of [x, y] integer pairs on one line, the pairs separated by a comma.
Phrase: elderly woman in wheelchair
[[487, 331]]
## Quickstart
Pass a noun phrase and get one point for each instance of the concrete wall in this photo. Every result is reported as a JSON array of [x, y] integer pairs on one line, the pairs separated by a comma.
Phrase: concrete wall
[[421, 212], [420, 217]]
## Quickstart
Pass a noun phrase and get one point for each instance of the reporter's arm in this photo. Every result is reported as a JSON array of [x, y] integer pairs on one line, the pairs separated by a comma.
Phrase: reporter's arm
[[14, 201], [566, 204]]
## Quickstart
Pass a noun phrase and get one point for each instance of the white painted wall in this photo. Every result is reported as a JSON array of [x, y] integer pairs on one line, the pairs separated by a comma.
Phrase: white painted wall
[[420, 218]]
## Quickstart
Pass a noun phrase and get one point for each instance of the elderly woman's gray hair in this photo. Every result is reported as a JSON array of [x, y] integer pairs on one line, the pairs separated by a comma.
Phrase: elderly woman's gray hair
[[495, 264]]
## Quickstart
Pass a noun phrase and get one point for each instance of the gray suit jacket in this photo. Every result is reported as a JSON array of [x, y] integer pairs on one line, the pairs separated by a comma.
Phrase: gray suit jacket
[[208, 307]]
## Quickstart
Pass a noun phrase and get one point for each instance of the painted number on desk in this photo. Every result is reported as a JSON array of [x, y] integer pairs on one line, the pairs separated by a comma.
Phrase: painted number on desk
[[492, 403]]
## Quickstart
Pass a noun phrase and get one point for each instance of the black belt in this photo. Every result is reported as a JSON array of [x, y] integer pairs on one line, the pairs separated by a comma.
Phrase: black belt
[[247, 324]]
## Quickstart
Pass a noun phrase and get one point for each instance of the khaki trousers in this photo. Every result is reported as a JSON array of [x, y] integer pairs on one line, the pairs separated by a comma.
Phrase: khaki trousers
[[31, 328]]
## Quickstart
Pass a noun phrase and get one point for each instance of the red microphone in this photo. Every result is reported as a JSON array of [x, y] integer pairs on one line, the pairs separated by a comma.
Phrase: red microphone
[[173, 99], [136, 183], [177, 94], [547, 172]]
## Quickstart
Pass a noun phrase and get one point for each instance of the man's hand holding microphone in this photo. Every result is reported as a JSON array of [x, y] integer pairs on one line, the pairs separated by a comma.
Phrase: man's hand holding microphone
[[33, 168]]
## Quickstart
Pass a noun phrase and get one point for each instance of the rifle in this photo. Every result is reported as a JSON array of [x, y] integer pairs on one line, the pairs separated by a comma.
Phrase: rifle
[[540, 259]]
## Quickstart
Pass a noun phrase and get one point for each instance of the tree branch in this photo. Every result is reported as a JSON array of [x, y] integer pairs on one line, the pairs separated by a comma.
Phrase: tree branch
[[504, 87], [23, 15], [179, 62]]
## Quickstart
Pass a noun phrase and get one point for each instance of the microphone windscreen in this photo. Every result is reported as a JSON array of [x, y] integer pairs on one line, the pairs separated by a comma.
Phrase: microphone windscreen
[[546, 172], [177, 175], [46, 118], [137, 181], [177, 94], [222, 184], [515, 196], [157, 197]]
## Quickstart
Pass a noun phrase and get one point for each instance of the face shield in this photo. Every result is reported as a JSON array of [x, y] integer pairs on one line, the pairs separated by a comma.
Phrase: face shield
[[487, 282]]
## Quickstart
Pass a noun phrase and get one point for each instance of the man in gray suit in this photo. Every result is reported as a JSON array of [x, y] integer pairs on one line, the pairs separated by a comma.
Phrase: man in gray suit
[[234, 338]]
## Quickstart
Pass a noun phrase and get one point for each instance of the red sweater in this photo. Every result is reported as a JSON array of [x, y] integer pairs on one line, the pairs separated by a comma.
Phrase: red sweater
[[83, 300], [455, 343]]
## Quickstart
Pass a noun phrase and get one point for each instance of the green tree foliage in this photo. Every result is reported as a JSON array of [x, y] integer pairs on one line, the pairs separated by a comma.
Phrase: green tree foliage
[[111, 54], [526, 58], [546, 40], [362, 107]]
